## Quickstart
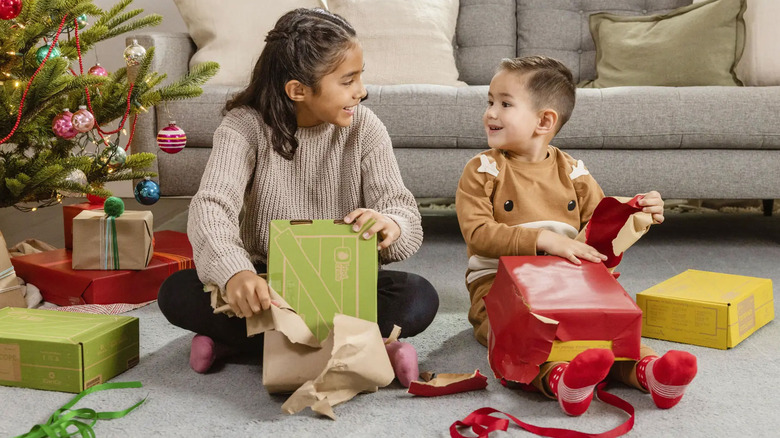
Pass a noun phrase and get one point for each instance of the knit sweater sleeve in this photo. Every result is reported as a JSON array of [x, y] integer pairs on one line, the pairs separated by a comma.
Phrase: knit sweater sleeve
[[384, 190], [484, 235], [213, 225]]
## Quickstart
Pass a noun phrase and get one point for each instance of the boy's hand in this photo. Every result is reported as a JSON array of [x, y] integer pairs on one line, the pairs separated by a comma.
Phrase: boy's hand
[[388, 230], [570, 249], [247, 294], [653, 204]]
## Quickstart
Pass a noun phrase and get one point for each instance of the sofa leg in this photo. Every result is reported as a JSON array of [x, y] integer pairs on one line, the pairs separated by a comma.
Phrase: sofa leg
[[769, 205]]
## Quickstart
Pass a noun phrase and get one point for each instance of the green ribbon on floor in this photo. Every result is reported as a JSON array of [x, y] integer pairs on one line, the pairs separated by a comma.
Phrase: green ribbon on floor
[[64, 418]]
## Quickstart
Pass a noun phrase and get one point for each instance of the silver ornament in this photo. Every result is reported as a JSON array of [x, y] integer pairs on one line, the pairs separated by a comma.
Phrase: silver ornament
[[75, 176], [134, 54]]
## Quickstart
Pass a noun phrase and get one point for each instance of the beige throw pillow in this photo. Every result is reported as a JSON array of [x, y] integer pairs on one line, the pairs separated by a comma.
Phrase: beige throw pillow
[[404, 41], [699, 44], [232, 32], [760, 63]]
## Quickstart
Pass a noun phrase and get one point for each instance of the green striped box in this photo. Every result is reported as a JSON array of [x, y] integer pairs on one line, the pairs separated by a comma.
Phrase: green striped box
[[322, 268], [64, 351]]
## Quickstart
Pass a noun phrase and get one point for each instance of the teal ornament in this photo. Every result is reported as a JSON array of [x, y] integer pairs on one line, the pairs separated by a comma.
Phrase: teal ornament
[[114, 156], [40, 54], [147, 192], [114, 206], [82, 21]]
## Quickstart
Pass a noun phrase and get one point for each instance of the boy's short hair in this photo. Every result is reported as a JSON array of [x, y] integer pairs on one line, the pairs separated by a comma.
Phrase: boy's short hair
[[550, 83]]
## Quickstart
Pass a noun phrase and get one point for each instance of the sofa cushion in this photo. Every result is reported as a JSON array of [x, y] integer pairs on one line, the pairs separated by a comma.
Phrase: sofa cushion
[[434, 116], [232, 33], [559, 28], [760, 63], [404, 42], [699, 44], [485, 34]]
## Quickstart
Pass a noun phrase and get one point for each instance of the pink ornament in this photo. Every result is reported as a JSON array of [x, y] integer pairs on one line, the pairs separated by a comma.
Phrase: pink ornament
[[83, 120], [10, 9], [97, 70], [62, 125], [171, 139]]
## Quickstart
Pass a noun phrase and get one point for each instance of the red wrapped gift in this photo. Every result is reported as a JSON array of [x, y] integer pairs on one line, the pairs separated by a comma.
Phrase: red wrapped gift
[[544, 308], [51, 272], [71, 211]]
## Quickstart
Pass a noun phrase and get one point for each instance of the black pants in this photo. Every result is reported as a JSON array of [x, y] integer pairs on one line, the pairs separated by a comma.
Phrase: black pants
[[404, 299]]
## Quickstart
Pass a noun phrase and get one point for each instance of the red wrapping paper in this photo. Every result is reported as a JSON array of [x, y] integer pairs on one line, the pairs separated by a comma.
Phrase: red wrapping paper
[[538, 299], [51, 272]]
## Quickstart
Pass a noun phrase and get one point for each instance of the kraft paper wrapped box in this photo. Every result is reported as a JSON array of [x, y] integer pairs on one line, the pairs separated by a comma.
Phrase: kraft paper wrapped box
[[545, 308], [71, 211], [322, 268], [64, 351], [52, 273], [710, 309], [105, 243]]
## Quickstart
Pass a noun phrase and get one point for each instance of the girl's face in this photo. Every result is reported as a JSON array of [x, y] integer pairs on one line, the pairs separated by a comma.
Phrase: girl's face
[[339, 93]]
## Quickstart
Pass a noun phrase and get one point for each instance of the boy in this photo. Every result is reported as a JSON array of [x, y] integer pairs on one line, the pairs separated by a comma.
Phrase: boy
[[525, 197]]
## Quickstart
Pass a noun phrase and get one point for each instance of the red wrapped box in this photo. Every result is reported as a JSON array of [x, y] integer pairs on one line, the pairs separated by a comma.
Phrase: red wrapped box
[[51, 272], [71, 211], [544, 308]]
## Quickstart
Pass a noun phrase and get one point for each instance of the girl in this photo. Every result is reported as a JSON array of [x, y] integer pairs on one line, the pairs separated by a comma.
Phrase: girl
[[296, 144]]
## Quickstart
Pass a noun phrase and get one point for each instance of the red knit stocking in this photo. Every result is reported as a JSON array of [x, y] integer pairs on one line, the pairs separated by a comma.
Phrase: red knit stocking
[[573, 383], [667, 377]]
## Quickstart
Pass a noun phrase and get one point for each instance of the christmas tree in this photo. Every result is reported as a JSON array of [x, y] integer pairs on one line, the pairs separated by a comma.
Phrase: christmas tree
[[46, 151]]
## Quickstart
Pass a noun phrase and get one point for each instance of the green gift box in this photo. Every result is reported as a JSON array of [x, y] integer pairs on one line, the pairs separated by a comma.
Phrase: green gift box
[[322, 268], [64, 351]]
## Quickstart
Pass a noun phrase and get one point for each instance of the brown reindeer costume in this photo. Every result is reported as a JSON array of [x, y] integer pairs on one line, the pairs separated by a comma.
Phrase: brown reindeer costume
[[503, 204]]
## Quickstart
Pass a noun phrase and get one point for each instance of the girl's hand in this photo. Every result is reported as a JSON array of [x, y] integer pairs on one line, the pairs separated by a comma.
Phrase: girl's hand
[[247, 294], [388, 231], [570, 249], [653, 204]]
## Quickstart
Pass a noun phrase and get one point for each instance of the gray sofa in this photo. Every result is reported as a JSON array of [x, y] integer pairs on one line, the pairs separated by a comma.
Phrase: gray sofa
[[686, 142]]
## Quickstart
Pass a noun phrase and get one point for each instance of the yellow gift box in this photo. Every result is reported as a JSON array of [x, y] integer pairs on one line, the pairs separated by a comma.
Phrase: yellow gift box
[[706, 308]]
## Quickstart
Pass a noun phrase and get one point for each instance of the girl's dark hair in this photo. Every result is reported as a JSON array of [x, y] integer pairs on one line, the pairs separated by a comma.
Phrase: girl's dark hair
[[304, 45]]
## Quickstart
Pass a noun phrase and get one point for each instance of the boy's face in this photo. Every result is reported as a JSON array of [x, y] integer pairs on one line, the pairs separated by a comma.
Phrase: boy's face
[[510, 119], [338, 95]]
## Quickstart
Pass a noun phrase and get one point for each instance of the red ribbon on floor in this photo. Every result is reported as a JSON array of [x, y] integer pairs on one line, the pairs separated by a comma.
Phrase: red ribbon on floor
[[482, 422]]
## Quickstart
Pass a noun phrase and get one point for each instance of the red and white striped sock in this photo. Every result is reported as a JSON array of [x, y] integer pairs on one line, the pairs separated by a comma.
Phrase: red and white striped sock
[[573, 383], [667, 377]]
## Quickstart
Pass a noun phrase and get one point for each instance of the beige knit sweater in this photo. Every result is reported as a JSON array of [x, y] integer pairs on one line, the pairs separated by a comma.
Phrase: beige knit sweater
[[334, 171]]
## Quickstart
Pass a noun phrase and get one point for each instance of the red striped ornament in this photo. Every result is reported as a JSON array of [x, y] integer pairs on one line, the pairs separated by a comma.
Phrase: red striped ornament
[[171, 139]]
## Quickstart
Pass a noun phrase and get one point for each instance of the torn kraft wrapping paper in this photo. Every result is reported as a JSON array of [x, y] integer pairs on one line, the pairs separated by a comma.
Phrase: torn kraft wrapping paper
[[351, 360]]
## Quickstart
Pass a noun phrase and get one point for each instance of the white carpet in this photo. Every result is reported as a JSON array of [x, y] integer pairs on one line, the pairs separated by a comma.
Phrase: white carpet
[[735, 393]]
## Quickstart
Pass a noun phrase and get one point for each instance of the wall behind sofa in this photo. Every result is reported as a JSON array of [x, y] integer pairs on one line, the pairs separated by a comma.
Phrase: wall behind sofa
[[110, 53]]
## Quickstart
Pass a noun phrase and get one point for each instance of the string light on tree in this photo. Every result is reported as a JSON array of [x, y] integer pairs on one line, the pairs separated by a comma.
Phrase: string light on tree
[[10, 9], [147, 192], [171, 139]]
